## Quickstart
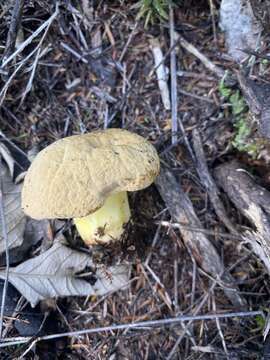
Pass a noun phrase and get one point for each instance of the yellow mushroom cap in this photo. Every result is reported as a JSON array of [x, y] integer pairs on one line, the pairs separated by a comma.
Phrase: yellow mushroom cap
[[73, 176]]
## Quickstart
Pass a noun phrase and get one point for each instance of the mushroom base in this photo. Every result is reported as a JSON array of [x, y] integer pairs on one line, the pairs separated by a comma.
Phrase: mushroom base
[[107, 223]]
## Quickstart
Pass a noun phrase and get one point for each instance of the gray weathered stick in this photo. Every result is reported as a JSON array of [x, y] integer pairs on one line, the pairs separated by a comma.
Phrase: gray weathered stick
[[209, 183], [253, 201], [174, 101], [161, 72], [257, 95], [134, 325]]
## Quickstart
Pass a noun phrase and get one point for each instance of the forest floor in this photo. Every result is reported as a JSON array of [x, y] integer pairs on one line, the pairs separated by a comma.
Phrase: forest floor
[[92, 67]]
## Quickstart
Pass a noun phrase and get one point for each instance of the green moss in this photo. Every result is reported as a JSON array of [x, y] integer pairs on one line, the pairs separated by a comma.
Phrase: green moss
[[241, 140], [238, 103], [223, 89], [260, 322], [153, 10]]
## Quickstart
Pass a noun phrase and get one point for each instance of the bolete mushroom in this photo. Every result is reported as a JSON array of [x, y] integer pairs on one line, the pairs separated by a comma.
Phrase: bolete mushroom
[[86, 177]]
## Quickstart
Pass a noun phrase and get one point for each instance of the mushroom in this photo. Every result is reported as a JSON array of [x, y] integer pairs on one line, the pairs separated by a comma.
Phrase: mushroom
[[86, 177]]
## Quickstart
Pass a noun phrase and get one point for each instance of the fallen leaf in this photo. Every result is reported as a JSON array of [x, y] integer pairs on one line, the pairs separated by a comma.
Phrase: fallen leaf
[[6, 155], [22, 232], [14, 216], [54, 273]]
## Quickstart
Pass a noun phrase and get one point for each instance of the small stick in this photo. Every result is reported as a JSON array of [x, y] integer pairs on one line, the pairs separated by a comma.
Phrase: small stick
[[179, 225], [195, 96], [155, 239], [13, 28], [5, 237], [209, 183], [175, 272], [161, 73], [136, 325], [123, 53], [212, 10], [13, 145], [28, 41], [173, 79], [219, 329], [73, 52], [34, 67], [194, 51]]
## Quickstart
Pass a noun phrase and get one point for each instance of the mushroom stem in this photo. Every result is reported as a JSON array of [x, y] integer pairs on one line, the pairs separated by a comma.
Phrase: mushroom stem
[[107, 223]]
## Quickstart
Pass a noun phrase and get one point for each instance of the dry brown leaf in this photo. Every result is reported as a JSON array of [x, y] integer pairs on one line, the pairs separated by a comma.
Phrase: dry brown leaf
[[59, 272]]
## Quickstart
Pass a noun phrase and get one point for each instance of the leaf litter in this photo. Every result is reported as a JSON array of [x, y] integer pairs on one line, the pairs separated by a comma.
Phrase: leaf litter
[[14, 216], [67, 111], [54, 273]]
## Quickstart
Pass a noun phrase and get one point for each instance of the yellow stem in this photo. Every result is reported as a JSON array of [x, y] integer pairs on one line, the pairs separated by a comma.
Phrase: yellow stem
[[107, 223]]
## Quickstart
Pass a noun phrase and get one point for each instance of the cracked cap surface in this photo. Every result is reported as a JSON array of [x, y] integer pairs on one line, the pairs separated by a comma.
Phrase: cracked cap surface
[[73, 176]]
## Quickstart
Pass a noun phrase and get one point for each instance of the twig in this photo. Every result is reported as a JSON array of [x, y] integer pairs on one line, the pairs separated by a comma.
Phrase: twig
[[161, 73], [32, 75], [209, 183], [179, 225], [13, 29], [32, 37], [195, 96], [106, 115], [73, 52], [252, 59], [173, 79], [123, 53], [8, 82], [12, 144], [155, 239], [5, 237], [212, 10], [22, 356], [193, 287], [194, 51], [175, 273], [136, 325], [34, 67], [219, 329], [19, 307], [190, 74], [46, 26]]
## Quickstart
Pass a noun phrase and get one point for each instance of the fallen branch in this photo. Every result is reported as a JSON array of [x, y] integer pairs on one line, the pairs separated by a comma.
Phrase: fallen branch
[[252, 201], [257, 95], [181, 210]]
